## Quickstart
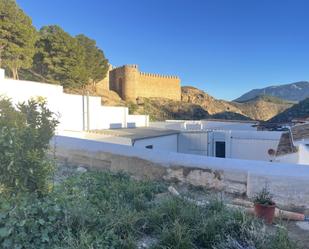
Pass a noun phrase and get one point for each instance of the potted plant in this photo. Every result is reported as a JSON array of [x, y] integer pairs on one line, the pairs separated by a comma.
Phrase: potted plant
[[264, 206]]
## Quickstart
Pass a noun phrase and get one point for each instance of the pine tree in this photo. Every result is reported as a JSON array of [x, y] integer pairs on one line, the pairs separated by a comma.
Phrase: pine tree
[[17, 37], [60, 58], [95, 61]]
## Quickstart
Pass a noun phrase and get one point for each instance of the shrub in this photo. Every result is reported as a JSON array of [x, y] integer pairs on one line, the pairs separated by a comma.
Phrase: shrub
[[132, 107], [263, 197], [25, 132]]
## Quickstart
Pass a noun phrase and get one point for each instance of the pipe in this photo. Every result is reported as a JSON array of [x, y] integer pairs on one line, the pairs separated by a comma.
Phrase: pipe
[[88, 115]]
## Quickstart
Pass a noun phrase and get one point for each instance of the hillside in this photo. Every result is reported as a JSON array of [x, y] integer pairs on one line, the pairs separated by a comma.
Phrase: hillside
[[259, 108], [196, 104], [263, 107], [300, 110], [294, 92], [160, 109]]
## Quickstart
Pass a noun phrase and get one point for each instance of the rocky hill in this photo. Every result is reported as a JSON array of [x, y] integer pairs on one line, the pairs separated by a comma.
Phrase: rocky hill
[[294, 92], [300, 110], [160, 109], [196, 104], [263, 107], [258, 108]]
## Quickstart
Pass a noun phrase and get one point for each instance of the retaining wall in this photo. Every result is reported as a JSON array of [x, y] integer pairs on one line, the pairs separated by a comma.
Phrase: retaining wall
[[289, 183]]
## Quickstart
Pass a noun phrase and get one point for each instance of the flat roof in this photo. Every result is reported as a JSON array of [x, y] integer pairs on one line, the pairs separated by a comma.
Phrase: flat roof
[[231, 120], [137, 133]]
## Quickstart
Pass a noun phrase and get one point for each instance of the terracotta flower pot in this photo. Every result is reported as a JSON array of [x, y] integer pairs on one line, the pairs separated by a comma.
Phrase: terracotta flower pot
[[265, 212]]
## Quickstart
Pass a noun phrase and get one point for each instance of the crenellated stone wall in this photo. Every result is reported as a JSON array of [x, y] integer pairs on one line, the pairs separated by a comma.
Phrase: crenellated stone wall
[[130, 84]]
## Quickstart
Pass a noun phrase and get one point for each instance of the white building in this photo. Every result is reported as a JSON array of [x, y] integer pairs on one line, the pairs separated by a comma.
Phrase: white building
[[75, 112], [85, 117]]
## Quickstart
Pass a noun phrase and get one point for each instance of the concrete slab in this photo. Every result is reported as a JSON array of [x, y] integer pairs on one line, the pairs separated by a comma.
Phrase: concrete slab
[[304, 225]]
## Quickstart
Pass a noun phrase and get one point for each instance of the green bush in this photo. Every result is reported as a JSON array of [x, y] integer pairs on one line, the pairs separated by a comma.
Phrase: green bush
[[25, 132], [92, 210]]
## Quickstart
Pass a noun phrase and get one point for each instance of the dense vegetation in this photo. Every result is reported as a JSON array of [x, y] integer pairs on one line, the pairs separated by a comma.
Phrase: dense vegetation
[[107, 210], [50, 54]]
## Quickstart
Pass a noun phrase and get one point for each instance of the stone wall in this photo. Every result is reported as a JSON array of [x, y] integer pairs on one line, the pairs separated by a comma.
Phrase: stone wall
[[130, 84], [103, 85]]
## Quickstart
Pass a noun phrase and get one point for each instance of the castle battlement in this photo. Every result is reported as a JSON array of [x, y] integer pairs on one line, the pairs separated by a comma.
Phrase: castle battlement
[[130, 84], [159, 75]]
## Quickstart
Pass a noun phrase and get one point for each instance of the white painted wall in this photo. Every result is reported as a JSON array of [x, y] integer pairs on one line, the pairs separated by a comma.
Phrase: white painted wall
[[163, 143], [304, 153], [204, 125], [252, 149], [137, 120], [174, 125], [250, 145], [69, 107], [288, 158], [225, 125], [193, 143]]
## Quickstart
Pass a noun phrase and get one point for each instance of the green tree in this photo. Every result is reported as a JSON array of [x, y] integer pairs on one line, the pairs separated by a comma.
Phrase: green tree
[[25, 132], [17, 37], [60, 59], [95, 61]]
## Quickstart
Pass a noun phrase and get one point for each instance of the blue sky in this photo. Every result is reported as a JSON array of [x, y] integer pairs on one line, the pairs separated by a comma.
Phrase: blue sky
[[225, 47]]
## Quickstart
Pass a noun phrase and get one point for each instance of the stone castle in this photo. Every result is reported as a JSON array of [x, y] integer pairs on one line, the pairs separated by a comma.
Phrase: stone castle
[[130, 84]]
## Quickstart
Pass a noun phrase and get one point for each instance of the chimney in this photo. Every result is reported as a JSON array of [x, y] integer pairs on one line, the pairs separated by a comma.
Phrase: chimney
[[1, 74]]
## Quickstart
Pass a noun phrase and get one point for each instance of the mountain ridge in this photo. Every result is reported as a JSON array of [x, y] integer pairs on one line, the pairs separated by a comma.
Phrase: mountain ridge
[[296, 91]]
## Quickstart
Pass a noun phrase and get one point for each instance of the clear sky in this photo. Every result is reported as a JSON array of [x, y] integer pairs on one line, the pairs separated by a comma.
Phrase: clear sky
[[225, 47]]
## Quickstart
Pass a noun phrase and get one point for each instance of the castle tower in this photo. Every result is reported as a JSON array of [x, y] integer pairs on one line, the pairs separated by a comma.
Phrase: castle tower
[[124, 80], [130, 82]]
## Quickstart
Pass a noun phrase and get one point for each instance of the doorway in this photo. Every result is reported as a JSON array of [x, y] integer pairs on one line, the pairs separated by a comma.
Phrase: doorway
[[220, 149]]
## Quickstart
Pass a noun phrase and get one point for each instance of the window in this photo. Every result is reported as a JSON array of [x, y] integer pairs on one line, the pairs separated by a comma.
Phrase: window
[[149, 147]]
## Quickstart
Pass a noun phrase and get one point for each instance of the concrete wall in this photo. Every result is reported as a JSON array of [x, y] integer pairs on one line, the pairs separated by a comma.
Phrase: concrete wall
[[193, 143], [72, 109], [164, 143], [289, 183], [130, 84]]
